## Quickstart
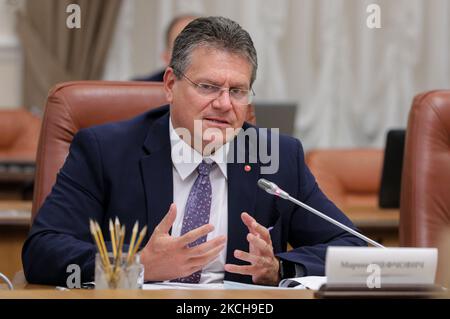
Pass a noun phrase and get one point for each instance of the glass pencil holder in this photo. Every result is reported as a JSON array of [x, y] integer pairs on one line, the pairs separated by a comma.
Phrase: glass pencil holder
[[119, 273]]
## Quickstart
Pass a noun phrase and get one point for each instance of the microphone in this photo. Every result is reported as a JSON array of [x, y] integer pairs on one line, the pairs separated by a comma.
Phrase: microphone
[[273, 189], [5, 279]]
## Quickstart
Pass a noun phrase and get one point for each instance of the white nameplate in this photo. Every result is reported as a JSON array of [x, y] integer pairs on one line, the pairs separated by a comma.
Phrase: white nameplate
[[372, 267]]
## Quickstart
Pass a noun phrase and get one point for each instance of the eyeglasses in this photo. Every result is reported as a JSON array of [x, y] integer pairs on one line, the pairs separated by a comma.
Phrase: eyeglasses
[[237, 96]]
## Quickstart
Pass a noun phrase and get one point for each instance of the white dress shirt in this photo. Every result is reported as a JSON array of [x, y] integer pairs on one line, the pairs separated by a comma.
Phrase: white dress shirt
[[185, 161]]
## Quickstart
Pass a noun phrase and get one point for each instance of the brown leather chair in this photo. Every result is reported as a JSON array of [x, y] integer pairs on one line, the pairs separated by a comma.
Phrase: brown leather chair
[[443, 270], [19, 135], [349, 177], [72, 106], [425, 192]]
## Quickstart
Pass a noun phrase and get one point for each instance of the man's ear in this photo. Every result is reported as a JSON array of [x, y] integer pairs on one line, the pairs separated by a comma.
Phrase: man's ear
[[169, 82]]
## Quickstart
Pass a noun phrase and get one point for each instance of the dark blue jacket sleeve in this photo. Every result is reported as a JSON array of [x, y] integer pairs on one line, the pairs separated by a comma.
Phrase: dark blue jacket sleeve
[[309, 234], [60, 233]]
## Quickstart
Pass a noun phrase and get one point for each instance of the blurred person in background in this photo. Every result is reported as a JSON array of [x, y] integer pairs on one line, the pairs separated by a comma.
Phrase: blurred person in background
[[173, 30]]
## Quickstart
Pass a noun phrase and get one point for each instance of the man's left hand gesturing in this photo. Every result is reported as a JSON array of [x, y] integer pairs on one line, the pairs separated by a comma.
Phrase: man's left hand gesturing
[[264, 266]]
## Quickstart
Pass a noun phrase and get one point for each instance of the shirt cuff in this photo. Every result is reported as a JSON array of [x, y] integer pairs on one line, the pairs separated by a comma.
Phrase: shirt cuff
[[291, 270], [299, 270]]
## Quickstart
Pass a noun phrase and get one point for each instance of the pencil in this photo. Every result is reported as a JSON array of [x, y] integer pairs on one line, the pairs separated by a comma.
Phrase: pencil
[[113, 238], [103, 247], [133, 239], [99, 248], [94, 235], [119, 249], [122, 237], [117, 231], [139, 241], [102, 240]]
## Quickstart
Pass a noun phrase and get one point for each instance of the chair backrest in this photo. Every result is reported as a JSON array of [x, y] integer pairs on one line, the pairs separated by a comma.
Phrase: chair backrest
[[425, 192], [443, 270], [19, 134], [72, 106], [349, 177]]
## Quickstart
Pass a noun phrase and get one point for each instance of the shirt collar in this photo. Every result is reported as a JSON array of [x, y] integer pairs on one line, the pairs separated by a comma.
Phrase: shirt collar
[[186, 159]]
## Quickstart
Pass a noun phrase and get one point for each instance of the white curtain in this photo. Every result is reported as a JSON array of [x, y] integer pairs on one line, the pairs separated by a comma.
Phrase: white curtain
[[351, 83], [355, 83], [118, 64]]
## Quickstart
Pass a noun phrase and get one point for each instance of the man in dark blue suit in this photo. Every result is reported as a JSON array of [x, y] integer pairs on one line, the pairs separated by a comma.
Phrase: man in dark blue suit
[[189, 172]]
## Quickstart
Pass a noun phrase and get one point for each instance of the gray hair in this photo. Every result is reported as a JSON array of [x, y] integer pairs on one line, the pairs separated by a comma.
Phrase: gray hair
[[213, 32]]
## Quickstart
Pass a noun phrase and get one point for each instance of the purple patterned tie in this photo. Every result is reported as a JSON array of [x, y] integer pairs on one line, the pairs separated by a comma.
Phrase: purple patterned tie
[[197, 211]]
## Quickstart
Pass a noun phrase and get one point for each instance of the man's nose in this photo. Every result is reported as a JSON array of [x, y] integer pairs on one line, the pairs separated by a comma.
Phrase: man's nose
[[223, 101]]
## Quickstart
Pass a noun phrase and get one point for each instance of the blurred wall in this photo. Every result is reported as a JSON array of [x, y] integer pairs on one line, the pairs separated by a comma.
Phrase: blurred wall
[[135, 46], [145, 36], [10, 59], [143, 52], [352, 83]]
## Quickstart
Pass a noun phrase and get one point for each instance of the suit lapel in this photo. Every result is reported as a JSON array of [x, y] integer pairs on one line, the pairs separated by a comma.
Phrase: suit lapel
[[156, 170], [242, 187]]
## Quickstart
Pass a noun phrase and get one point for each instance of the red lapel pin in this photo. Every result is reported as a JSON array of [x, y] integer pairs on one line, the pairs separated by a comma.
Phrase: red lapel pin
[[247, 168]]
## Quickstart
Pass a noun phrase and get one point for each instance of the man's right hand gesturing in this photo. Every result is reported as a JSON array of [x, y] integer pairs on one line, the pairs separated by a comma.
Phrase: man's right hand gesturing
[[166, 257]]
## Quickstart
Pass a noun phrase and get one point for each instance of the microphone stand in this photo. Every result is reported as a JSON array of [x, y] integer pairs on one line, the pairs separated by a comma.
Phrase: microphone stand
[[273, 189], [5, 279]]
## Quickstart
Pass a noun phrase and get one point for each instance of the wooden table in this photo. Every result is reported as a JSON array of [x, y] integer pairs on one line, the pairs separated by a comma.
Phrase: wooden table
[[376, 223], [157, 294], [17, 170], [15, 219], [365, 216], [16, 179], [49, 292], [15, 212]]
